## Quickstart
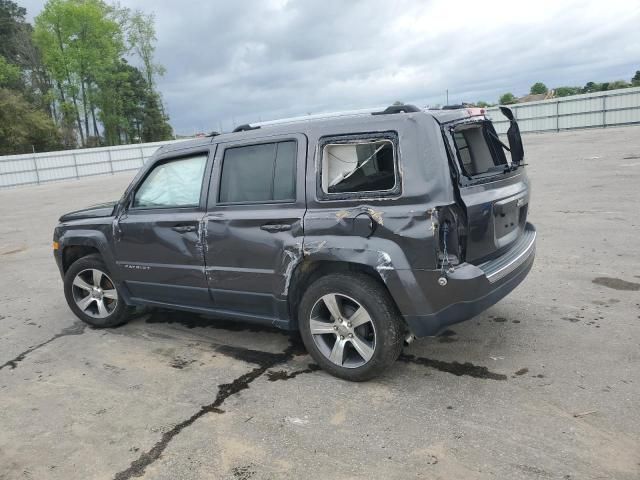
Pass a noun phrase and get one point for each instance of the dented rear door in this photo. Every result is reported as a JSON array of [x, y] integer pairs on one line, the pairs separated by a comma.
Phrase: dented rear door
[[254, 223]]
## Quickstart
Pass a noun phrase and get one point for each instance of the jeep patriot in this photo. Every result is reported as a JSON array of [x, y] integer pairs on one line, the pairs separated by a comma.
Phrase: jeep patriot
[[360, 229]]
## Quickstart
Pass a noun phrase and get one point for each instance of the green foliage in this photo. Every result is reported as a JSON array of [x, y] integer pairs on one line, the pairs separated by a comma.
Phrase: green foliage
[[141, 37], [483, 104], [155, 123], [567, 91], [615, 85], [635, 81], [12, 20], [24, 128], [9, 74], [83, 43], [538, 88], [508, 99], [591, 87]]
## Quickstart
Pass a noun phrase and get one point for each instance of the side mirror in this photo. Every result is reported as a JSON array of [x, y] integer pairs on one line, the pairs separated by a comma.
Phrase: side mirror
[[513, 135]]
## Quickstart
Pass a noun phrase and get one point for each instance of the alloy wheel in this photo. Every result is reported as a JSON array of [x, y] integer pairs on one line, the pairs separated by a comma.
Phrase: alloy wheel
[[342, 330], [95, 293]]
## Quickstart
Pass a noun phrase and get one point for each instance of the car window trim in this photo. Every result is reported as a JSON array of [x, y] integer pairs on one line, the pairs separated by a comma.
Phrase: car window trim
[[351, 138], [252, 143]]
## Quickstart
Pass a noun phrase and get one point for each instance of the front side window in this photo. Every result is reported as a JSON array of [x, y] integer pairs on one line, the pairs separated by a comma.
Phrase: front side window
[[258, 173], [176, 183], [362, 165]]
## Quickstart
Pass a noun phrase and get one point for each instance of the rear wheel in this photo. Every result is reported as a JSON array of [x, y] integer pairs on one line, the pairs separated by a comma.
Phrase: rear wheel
[[350, 326], [92, 295]]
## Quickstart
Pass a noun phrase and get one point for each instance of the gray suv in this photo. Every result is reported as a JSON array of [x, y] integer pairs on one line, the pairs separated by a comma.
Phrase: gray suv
[[360, 229]]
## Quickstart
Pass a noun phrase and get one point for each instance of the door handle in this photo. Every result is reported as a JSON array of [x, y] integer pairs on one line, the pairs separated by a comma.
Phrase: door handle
[[184, 228], [272, 228]]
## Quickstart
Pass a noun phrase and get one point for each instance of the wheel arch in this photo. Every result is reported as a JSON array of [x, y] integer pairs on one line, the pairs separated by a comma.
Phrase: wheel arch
[[72, 253], [310, 270], [75, 244]]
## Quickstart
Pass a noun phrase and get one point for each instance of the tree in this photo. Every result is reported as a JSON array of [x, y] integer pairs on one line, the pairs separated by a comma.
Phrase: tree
[[9, 74], [141, 37], [155, 122], [508, 99], [591, 87], [81, 42], [24, 128], [567, 91], [12, 18], [483, 104], [538, 88], [617, 84], [635, 81]]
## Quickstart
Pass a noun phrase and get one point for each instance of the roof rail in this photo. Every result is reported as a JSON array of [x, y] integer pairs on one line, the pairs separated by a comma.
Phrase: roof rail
[[244, 128], [397, 109]]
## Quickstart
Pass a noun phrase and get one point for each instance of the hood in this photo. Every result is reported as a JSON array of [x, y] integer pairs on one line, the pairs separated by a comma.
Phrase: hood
[[95, 211]]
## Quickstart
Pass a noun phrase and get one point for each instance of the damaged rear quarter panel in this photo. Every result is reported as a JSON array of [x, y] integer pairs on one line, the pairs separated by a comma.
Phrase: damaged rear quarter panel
[[392, 235]]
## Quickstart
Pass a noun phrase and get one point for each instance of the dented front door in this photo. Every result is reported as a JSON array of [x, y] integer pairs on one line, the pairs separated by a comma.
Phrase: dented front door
[[158, 246]]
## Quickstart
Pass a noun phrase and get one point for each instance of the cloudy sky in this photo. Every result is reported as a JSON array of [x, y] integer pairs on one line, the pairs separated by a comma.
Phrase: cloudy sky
[[232, 62]]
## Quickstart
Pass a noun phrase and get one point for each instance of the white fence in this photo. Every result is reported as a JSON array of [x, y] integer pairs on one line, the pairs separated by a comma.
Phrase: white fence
[[33, 169], [600, 109]]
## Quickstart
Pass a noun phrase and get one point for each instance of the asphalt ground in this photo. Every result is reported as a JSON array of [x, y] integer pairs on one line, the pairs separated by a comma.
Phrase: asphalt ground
[[544, 385]]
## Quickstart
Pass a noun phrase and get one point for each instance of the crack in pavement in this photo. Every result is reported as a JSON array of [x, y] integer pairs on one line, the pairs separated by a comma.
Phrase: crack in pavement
[[77, 328], [264, 360], [455, 368], [274, 376]]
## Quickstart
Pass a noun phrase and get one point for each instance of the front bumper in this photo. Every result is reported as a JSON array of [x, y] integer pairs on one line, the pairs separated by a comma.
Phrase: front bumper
[[471, 289]]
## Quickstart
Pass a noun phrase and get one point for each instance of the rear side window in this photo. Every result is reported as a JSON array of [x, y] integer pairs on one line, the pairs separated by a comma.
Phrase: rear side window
[[176, 183], [358, 166], [258, 173]]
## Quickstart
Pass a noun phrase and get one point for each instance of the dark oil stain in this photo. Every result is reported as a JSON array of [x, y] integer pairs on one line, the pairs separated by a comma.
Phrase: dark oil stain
[[522, 371], [500, 319], [244, 472], [617, 284], [257, 357], [77, 328], [274, 376], [268, 360], [447, 337], [571, 319], [192, 320], [515, 321], [179, 363], [455, 368]]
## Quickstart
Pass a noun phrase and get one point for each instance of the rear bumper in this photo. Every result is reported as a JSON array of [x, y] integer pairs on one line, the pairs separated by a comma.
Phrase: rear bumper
[[472, 289]]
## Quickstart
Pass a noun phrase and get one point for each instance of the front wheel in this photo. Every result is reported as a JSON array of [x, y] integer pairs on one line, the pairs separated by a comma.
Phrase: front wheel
[[92, 295], [350, 326]]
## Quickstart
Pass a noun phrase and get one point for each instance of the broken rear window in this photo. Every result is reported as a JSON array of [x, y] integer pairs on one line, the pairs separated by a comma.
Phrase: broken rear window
[[480, 150], [362, 165]]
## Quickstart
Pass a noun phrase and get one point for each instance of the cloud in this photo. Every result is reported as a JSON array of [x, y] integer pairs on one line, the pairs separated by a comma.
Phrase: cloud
[[236, 62]]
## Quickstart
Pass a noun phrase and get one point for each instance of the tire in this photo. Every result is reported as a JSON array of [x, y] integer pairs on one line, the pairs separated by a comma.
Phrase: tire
[[102, 307], [355, 347]]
